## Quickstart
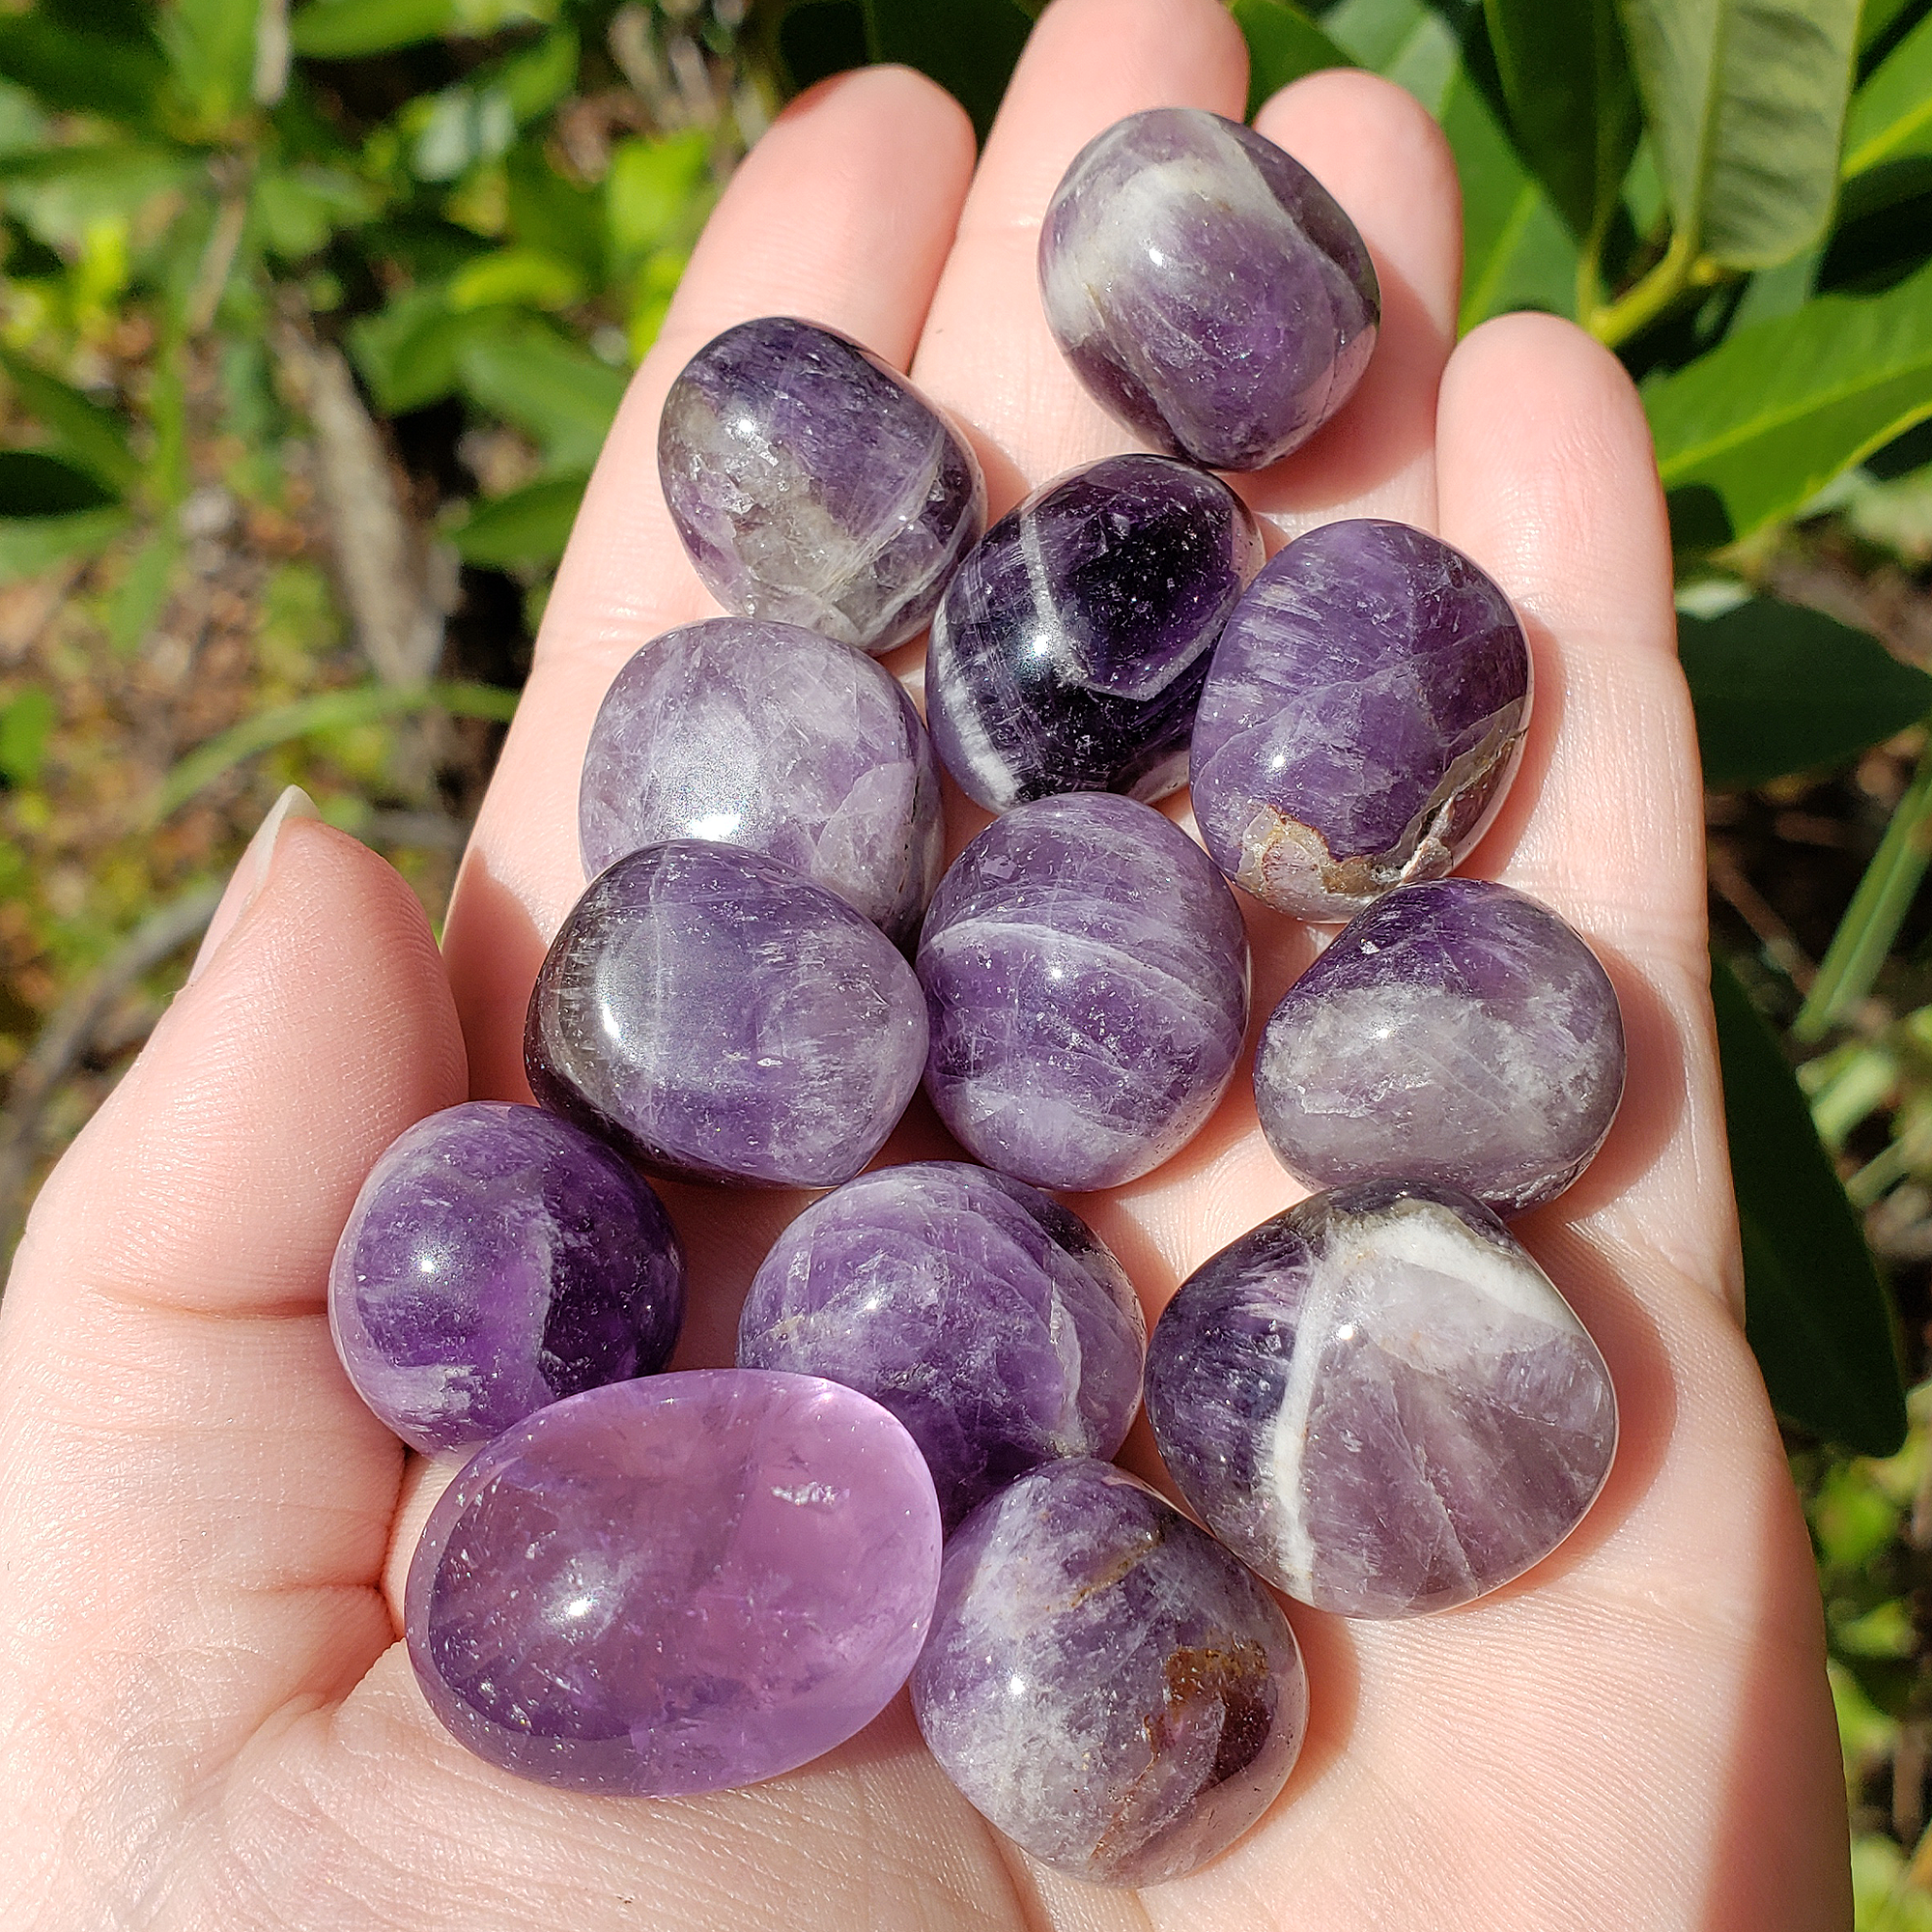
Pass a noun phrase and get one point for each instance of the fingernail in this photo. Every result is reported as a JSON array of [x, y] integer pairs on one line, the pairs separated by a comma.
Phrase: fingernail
[[251, 874]]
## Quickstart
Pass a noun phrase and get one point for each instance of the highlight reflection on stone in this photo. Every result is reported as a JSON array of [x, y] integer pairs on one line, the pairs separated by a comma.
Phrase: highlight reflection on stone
[[1103, 1682], [1380, 1402], [1362, 718]]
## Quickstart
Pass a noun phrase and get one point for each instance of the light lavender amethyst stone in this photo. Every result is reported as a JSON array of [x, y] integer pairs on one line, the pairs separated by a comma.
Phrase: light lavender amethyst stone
[[496, 1259], [1086, 974], [1206, 288], [985, 1316], [1361, 720], [722, 1018], [1379, 1402], [1106, 1683], [773, 738], [811, 483], [1456, 1031]]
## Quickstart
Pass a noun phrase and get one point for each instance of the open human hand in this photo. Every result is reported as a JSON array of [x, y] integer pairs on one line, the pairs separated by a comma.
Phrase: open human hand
[[206, 1717]]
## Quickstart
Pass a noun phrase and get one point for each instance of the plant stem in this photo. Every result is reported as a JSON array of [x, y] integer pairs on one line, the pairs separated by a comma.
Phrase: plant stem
[[1641, 305]]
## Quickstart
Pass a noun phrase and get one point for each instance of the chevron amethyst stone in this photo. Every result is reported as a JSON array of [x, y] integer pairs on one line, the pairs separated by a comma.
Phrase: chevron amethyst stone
[[1206, 289], [1069, 651], [773, 738], [811, 483], [722, 1018], [1456, 1031], [1380, 1402], [1086, 974], [985, 1316], [496, 1259], [1103, 1682], [1362, 718]]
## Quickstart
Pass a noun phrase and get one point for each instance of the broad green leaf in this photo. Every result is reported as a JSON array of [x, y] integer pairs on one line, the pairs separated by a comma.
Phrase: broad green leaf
[[536, 79], [26, 721], [35, 483], [407, 352], [294, 211], [456, 128], [547, 212], [560, 394], [1744, 100], [30, 545], [1771, 415], [1876, 18], [1404, 41], [348, 29], [968, 46], [63, 194], [1780, 689], [22, 125], [1282, 44], [520, 275], [69, 68], [656, 192], [95, 438], [528, 528], [1891, 117], [210, 50], [1816, 1313]]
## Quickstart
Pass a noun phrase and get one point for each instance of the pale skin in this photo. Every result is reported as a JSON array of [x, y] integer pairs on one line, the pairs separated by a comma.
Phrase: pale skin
[[206, 1717]]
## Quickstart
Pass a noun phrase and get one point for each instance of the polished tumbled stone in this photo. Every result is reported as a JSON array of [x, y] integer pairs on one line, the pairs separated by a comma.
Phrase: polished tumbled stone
[[1380, 1402], [1106, 1683], [1206, 288], [773, 738], [1456, 1031], [496, 1259], [677, 1585], [985, 1316], [1362, 718], [1068, 652], [1085, 971], [811, 483], [722, 1018]]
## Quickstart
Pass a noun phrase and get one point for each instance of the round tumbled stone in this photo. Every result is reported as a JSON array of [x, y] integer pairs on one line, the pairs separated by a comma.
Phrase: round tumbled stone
[[1068, 652], [811, 483], [1361, 720], [722, 1018], [773, 738], [1380, 1402], [1456, 1031], [496, 1259], [1103, 1682], [985, 1316], [677, 1585], [1086, 974], [1207, 290]]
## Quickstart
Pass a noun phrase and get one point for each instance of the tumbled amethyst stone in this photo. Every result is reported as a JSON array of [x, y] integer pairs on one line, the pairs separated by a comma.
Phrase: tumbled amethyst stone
[[722, 1018], [496, 1259], [1362, 718], [1379, 1402], [1086, 975], [1206, 288], [773, 738], [677, 1585], [1068, 652], [811, 483], [1456, 1031], [985, 1316], [1103, 1682]]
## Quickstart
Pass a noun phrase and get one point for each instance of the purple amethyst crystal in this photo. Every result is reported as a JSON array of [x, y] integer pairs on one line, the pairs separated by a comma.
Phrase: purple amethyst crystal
[[811, 483], [1068, 652], [722, 1018], [1086, 975], [981, 1312], [773, 738], [677, 1585], [1362, 718], [1379, 1402], [1106, 1683], [1206, 288], [496, 1259], [1456, 1033]]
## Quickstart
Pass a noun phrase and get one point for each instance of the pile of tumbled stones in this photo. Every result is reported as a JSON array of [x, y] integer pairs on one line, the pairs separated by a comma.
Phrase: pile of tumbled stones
[[1375, 1401]]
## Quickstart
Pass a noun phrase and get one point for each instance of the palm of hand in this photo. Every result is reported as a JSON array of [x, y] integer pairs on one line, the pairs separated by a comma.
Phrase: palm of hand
[[206, 1719]]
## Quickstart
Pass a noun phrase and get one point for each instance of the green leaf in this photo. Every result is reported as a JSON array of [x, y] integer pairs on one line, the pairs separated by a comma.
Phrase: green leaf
[[656, 193], [294, 211], [95, 438], [1816, 1313], [1769, 416], [26, 721], [1404, 41], [1744, 100], [30, 545], [63, 193], [560, 394], [348, 29], [968, 46], [407, 352], [35, 483], [526, 528], [1891, 118], [210, 50], [516, 276], [1780, 689], [547, 212], [1282, 44], [69, 68]]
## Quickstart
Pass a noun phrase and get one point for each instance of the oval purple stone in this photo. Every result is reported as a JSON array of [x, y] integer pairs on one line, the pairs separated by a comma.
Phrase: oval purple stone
[[985, 1316], [1361, 720], [1456, 1031], [1206, 288], [1106, 1683], [677, 1585], [1379, 1402], [496, 1259]]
